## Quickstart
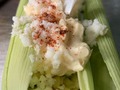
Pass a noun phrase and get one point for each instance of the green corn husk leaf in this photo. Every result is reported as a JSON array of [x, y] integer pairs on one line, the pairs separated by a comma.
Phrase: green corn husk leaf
[[105, 51], [17, 70], [101, 76], [85, 78]]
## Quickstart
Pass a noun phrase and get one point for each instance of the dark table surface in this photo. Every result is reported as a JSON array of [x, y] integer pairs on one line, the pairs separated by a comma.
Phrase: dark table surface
[[112, 8]]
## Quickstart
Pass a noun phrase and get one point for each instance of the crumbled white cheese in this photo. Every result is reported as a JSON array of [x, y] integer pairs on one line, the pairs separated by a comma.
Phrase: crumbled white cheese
[[93, 30], [37, 49], [26, 41], [57, 59], [87, 23], [50, 53], [16, 26], [20, 24], [32, 58]]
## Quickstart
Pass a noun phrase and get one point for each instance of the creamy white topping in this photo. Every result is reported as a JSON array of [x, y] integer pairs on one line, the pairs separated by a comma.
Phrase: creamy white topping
[[57, 39], [94, 29]]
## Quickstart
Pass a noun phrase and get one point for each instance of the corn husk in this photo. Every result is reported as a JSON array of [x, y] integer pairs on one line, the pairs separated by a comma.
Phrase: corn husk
[[106, 76]]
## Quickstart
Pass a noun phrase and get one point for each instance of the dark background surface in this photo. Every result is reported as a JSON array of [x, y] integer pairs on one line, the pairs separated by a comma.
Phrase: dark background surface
[[7, 10]]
